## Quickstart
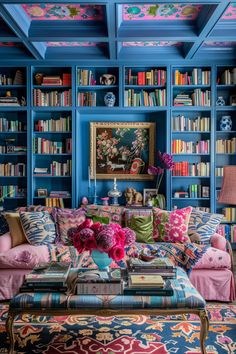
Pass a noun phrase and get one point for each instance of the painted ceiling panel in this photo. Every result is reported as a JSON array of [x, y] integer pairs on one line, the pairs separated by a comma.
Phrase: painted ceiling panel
[[10, 44], [53, 12], [137, 12], [219, 44], [230, 13], [74, 44], [152, 44]]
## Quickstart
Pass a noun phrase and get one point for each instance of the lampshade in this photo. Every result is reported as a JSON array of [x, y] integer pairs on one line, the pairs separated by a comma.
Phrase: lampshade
[[228, 188]]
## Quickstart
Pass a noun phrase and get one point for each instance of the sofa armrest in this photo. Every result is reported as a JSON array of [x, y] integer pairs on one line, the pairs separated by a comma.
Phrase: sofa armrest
[[5, 242], [219, 242], [229, 250]]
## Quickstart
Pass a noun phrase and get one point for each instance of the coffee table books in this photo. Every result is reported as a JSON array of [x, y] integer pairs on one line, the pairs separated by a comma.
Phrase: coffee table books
[[159, 266], [99, 282], [148, 284]]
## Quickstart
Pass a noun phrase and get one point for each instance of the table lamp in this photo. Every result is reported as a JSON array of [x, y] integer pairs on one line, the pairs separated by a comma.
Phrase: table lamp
[[228, 188]]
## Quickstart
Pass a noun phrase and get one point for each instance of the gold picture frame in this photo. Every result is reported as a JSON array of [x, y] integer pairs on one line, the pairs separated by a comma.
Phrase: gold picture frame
[[121, 150]]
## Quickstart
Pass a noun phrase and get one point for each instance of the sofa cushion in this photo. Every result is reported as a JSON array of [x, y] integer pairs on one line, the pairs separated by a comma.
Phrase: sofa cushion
[[171, 226], [38, 227], [203, 225], [114, 213], [16, 230], [5, 242], [24, 256], [67, 219], [143, 228], [214, 259]]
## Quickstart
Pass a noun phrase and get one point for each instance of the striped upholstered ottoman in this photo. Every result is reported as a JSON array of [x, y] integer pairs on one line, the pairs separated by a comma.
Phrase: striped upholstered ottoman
[[186, 300]]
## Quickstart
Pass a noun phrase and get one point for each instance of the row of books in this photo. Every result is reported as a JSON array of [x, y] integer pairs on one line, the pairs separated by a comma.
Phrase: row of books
[[229, 214], [196, 77], [85, 77], [7, 125], [9, 80], [186, 168], [52, 98], [228, 77], [228, 231], [198, 98], [5, 149], [182, 123], [87, 99], [54, 202], [219, 171], [226, 146], [198, 191], [56, 169], [190, 147], [152, 77], [9, 101], [63, 124], [12, 191], [145, 98], [44, 146], [9, 169]]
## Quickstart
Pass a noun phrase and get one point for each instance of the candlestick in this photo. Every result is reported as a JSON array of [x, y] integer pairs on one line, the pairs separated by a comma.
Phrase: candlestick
[[95, 181], [89, 180]]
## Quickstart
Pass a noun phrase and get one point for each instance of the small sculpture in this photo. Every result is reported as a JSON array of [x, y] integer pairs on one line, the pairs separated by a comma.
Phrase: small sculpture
[[133, 197], [38, 78], [107, 79]]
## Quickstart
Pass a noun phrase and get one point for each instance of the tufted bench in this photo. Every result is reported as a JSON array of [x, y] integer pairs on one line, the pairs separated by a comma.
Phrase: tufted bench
[[185, 300]]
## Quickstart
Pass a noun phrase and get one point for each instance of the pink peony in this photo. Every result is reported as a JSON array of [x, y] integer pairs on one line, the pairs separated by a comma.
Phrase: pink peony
[[116, 253], [96, 227], [90, 244], [105, 240], [86, 224], [86, 234]]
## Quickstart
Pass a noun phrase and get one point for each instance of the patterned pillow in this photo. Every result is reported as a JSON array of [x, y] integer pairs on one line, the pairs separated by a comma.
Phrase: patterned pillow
[[3, 225], [143, 227], [203, 225], [114, 213], [67, 219], [171, 226], [38, 227], [129, 213]]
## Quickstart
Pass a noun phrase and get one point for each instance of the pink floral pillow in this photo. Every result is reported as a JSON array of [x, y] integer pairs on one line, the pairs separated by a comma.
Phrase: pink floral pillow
[[171, 226]]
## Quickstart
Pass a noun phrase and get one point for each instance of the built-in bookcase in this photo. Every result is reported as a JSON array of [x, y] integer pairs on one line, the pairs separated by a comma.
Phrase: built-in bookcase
[[94, 83], [48, 117]]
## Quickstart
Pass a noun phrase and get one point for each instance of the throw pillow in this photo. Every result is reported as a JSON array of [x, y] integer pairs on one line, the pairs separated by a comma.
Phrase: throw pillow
[[171, 226], [203, 225], [143, 227], [38, 227], [3, 225], [101, 219], [16, 230], [68, 219]]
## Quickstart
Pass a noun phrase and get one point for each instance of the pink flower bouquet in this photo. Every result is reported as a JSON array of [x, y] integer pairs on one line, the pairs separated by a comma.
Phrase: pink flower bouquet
[[111, 238]]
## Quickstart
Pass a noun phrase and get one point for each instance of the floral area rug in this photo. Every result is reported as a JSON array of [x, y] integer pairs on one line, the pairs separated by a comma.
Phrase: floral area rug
[[123, 335]]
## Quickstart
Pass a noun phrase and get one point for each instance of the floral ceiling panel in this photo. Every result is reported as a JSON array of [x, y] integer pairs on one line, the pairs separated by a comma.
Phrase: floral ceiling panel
[[64, 12], [152, 44], [230, 13], [74, 44], [161, 12], [219, 44]]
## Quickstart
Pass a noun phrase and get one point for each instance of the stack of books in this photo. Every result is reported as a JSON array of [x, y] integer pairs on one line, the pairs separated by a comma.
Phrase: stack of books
[[158, 266], [47, 277], [183, 100], [99, 282], [147, 284], [9, 101], [52, 80]]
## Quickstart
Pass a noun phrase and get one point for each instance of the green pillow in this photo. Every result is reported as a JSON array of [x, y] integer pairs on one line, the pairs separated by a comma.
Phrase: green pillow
[[101, 219], [143, 227]]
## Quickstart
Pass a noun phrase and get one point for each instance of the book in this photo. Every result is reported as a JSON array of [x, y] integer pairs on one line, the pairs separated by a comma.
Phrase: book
[[156, 263], [48, 273], [148, 292], [145, 281], [26, 288]]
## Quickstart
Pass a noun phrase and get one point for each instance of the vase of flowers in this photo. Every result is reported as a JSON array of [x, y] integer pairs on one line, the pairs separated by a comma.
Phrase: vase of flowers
[[104, 242], [166, 163]]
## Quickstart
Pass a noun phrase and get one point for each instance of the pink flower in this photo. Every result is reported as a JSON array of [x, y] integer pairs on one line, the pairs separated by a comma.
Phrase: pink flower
[[86, 224], [175, 219], [117, 253], [86, 234], [96, 227], [130, 236], [90, 244], [105, 240], [176, 234]]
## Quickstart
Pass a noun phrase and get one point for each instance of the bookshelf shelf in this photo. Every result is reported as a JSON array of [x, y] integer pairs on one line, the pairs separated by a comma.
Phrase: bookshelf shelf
[[35, 176], [51, 87], [190, 199], [97, 87], [179, 87]]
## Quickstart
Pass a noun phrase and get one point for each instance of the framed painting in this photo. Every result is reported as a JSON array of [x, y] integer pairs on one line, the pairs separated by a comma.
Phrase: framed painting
[[122, 150]]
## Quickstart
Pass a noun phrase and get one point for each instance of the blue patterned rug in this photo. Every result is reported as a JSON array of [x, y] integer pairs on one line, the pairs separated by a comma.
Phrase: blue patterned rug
[[121, 335]]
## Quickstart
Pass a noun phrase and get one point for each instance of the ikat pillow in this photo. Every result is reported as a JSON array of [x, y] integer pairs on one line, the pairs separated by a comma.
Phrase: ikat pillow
[[203, 225], [38, 227], [171, 226]]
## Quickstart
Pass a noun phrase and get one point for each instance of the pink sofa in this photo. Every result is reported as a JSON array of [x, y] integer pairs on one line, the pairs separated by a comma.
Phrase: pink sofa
[[212, 275]]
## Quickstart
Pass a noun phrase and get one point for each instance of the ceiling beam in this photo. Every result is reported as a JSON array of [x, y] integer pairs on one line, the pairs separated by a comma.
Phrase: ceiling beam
[[20, 26]]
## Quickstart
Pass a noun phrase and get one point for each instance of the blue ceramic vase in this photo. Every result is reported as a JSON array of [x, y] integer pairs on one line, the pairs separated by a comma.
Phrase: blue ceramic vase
[[101, 259]]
